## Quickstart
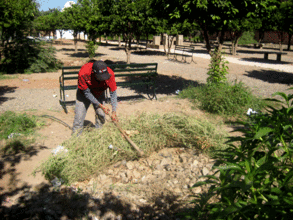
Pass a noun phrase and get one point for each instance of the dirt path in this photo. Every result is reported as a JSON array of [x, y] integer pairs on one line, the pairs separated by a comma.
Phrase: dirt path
[[16, 170]]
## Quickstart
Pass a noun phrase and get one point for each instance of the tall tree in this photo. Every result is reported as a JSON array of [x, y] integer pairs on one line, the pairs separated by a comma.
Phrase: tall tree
[[286, 22], [15, 18], [220, 16], [172, 26], [126, 18], [92, 19], [15, 22], [75, 19]]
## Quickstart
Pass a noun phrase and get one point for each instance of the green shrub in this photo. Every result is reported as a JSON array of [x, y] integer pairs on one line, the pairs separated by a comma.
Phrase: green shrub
[[253, 180], [89, 153], [45, 61], [247, 38], [223, 98], [91, 47], [218, 69], [198, 39], [24, 56]]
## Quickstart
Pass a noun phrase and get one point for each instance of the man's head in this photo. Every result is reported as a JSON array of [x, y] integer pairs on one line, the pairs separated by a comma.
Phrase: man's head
[[100, 70]]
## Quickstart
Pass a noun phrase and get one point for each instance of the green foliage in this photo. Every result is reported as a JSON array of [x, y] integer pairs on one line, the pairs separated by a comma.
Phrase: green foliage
[[255, 179], [5, 76], [11, 122], [29, 57], [247, 38], [223, 98], [89, 153], [198, 38], [218, 69], [15, 19], [91, 48]]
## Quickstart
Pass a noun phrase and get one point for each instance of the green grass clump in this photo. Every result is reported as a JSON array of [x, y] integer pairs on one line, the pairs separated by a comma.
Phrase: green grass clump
[[5, 76], [17, 132], [223, 98], [10, 122], [89, 153]]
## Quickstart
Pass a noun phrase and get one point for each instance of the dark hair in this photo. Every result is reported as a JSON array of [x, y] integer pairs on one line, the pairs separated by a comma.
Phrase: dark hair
[[92, 61]]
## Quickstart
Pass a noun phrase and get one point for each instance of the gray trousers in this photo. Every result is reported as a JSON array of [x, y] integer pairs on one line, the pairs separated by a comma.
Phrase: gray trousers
[[81, 107]]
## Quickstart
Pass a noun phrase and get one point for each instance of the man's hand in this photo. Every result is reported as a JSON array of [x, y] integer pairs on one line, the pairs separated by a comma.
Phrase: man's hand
[[105, 109], [114, 117]]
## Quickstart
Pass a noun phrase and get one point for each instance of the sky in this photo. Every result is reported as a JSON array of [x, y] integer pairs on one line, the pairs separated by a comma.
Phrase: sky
[[46, 4]]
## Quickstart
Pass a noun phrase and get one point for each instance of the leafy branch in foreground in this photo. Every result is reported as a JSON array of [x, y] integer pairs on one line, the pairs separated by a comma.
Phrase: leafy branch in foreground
[[255, 179]]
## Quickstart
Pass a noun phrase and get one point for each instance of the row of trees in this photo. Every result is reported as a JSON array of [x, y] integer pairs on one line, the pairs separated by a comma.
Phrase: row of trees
[[133, 19]]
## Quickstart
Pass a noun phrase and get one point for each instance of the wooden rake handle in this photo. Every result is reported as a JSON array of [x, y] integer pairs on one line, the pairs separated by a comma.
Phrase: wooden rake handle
[[124, 134]]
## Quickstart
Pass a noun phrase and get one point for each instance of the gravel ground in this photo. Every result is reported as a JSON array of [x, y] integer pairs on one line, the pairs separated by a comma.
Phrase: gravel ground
[[264, 78]]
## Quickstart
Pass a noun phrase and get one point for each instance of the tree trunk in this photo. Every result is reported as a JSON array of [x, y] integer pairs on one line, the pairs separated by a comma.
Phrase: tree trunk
[[61, 34], [170, 40], [207, 40], [119, 40], [289, 41], [280, 34], [235, 42], [261, 35], [137, 40], [100, 39], [75, 42], [147, 40], [234, 46], [128, 50], [220, 40]]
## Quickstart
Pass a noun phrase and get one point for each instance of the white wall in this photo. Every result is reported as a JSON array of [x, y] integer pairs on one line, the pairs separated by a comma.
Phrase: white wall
[[69, 35]]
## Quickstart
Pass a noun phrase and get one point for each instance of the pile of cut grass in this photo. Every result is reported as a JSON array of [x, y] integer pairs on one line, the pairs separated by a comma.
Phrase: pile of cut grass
[[89, 153]]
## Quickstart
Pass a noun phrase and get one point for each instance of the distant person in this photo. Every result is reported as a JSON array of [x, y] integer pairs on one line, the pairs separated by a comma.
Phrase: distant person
[[94, 78]]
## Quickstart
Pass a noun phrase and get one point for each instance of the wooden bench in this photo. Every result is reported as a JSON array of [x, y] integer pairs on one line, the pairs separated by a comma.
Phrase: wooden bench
[[126, 75], [187, 51], [279, 54]]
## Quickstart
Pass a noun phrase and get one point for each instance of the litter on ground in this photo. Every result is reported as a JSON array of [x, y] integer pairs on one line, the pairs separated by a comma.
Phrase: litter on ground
[[250, 111], [59, 149]]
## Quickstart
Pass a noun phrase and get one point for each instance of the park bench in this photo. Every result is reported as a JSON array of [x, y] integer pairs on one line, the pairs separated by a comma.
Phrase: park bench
[[279, 54], [187, 51], [126, 75]]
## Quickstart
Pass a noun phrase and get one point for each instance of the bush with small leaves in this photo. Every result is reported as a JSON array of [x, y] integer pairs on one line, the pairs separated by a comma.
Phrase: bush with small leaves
[[253, 178], [218, 68]]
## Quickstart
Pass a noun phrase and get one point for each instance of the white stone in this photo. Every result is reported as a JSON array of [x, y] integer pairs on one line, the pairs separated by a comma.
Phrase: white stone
[[205, 171], [129, 165]]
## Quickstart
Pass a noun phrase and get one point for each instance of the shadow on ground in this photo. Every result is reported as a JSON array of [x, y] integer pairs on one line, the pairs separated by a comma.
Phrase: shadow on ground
[[144, 52], [83, 54], [165, 85], [271, 76], [68, 203], [250, 51], [4, 90], [12, 153], [66, 49], [262, 60]]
